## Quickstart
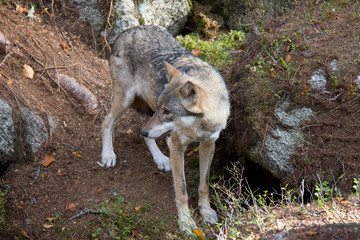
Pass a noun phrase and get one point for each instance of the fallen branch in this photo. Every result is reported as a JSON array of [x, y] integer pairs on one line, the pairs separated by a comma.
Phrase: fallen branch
[[55, 67], [81, 93], [6, 58], [85, 211]]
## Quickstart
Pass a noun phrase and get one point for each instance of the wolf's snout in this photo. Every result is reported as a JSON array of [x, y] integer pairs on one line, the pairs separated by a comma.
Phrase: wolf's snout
[[144, 133]]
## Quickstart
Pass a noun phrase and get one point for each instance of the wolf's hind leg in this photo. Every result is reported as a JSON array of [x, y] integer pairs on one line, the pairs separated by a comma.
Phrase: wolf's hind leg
[[122, 99], [162, 161]]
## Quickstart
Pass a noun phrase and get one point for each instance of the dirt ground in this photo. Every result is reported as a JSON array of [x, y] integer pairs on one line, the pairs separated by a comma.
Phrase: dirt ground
[[37, 193]]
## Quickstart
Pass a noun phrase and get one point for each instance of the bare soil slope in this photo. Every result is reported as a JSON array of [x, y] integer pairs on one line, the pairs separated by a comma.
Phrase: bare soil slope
[[37, 193]]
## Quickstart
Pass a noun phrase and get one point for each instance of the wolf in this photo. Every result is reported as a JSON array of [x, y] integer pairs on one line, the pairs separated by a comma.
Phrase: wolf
[[189, 100]]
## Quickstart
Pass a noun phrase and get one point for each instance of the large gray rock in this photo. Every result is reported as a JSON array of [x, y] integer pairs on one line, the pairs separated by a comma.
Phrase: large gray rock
[[36, 133], [89, 12], [13, 139], [170, 14], [280, 142], [126, 16], [240, 14], [7, 131]]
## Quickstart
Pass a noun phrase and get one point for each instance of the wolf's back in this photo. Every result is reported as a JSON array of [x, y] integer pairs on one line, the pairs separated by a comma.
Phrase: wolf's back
[[151, 44]]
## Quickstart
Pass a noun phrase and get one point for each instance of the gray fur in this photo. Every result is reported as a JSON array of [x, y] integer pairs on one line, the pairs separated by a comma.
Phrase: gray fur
[[188, 96]]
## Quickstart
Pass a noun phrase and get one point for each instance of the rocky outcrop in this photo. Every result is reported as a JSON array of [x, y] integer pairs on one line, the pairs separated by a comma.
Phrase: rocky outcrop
[[22, 137], [171, 15], [284, 137], [281, 141], [89, 12], [7, 131]]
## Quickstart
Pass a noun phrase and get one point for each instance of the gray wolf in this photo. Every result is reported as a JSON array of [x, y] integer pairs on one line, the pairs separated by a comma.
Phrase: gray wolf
[[189, 98]]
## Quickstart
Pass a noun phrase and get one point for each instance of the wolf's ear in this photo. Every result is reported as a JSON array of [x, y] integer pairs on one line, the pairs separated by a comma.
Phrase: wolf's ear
[[191, 95], [171, 71]]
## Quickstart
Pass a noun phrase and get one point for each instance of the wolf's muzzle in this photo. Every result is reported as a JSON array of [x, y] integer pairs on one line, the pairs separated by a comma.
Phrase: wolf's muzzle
[[144, 133]]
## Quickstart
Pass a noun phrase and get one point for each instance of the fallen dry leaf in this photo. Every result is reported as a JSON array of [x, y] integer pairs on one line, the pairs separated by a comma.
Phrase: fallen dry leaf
[[196, 52], [138, 208], [64, 46], [25, 234], [28, 71], [288, 58], [311, 233], [76, 154], [50, 219], [71, 207], [192, 152], [47, 226], [60, 173], [200, 233], [46, 161], [19, 9], [342, 200], [129, 132]]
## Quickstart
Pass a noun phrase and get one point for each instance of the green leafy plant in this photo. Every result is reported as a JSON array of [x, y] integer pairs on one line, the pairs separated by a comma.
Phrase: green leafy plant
[[356, 187], [238, 205], [217, 51], [324, 192], [121, 220]]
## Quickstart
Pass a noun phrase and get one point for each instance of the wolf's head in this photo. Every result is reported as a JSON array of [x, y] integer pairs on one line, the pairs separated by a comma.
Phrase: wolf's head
[[179, 106]]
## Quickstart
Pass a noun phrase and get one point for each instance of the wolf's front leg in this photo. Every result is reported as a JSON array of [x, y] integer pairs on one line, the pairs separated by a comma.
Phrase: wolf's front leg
[[206, 151], [177, 149], [162, 161]]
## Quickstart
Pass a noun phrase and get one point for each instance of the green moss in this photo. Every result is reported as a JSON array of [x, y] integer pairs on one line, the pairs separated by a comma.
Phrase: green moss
[[142, 21], [216, 51]]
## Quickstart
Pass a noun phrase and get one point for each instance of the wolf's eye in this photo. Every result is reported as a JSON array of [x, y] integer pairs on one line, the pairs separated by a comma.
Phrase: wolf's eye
[[166, 111]]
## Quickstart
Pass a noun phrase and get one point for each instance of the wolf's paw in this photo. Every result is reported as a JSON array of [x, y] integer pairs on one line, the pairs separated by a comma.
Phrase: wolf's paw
[[209, 214], [187, 224], [163, 162], [108, 159]]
